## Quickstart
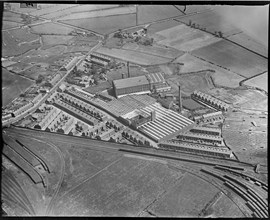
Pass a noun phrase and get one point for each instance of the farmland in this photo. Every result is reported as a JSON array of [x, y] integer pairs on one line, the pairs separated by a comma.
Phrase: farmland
[[104, 25], [9, 24], [233, 57], [133, 56], [12, 86], [184, 38], [147, 13], [125, 188], [213, 22], [246, 41], [23, 35], [10, 16], [53, 9], [51, 28], [160, 26], [221, 76], [49, 40], [77, 9], [260, 81], [180, 200], [100, 13], [154, 50]]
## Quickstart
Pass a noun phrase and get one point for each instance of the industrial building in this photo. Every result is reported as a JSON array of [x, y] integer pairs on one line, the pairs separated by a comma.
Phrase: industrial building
[[195, 149], [133, 85], [209, 117], [99, 59], [206, 130], [136, 118], [210, 100], [200, 138]]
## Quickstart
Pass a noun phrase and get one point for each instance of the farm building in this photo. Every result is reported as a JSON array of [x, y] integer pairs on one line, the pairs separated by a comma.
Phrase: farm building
[[133, 85], [210, 100], [195, 149], [200, 138]]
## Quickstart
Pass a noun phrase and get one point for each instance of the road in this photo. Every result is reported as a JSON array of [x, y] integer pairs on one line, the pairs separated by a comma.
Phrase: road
[[33, 108]]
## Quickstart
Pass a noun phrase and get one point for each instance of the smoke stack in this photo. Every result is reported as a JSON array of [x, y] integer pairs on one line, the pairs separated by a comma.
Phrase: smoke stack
[[153, 115], [180, 99], [137, 15], [128, 69], [123, 75]]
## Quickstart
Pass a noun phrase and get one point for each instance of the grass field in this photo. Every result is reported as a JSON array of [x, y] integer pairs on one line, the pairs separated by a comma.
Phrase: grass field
[[10, 16], [192, 8], [184, 38], [221, 76], [260, 81], [133, 56], [77, 9], [9, 24], [23, 35], [53, 9], [150, 13], [232, 57], [212, 22], [125, 188], [186, 199], [100, 13], [104, 25], [49, 40], [12, 86], [51, 28], [246, 41], [189, 82], [160, 26], [154, 50]]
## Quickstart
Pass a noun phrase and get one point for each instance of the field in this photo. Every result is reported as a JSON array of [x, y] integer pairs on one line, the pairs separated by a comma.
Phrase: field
[[125, 188], [233, 57], [150, 13], [77, 9], [154, 50], [200, 81], [212, 21], [192, 8], [260, 81], [23, 35], [246, 41], [104, 25], [9, 24], [184, 38], [221, 76], [243, 98], [133, 57], [12, 86], [11, 47], [51, 28], [49, 40], [10, 16], [35, 71], [186, 199], [160, 26], [54, 9], [100, 13]]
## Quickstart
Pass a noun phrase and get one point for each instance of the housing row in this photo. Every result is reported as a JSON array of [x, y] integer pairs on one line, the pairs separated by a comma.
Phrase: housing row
[[49, 115], [200, 138], [195, 149], [99, 59], [89, 109], [209, 118], [22, 109], [210, 100], [140, 84], [70, 63]]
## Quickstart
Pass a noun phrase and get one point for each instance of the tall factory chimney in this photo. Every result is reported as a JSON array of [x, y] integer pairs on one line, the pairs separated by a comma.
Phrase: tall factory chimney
[[128, 69], [180, 99], [123, 75], [153, 115], [136, 15]]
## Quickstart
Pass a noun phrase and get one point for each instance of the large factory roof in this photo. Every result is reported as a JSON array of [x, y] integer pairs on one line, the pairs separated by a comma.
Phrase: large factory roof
[[130, 82], [155, 78]]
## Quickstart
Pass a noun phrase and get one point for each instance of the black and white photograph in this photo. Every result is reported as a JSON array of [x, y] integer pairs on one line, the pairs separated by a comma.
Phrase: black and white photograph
[[134, 109]]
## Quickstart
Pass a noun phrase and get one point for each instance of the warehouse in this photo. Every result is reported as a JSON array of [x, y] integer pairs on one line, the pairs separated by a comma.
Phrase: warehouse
[[199, 138], [195, 149], [209, 117], [206, 130], [133, 85], [157, 82]]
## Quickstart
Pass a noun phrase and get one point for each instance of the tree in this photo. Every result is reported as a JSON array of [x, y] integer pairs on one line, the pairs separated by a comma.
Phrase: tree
[[189, 23], [220, 34], [39, 79]]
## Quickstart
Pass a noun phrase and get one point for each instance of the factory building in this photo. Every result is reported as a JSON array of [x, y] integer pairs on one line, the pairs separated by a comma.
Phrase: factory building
[[200, 138], [133, 85], [157, 82], [99, 59], [136, 118], [195, 149], [210, 100]]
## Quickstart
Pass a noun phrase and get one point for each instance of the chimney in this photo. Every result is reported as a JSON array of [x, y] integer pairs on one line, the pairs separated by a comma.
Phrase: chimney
[[128, 69], [123, 75], [180, 99], [153, 115]]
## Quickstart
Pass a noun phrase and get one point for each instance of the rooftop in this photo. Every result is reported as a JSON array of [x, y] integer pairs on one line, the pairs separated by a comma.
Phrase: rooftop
[[130, 82]]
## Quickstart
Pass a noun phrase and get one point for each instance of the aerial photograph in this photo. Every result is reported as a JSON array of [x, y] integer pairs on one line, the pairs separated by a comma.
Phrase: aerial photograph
[[134, 110]]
